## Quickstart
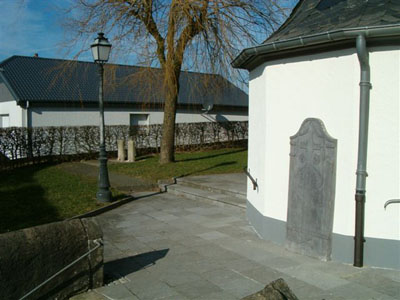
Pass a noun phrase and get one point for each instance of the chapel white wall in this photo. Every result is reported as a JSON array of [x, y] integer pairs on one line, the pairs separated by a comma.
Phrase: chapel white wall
[[326, 86]]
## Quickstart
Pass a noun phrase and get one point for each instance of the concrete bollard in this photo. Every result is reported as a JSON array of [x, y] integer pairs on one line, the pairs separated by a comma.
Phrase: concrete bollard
[[121, 150], [131, 150]]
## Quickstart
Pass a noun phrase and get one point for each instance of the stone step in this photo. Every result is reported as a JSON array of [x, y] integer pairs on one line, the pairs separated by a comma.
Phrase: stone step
[[228, 189], [199, 194]]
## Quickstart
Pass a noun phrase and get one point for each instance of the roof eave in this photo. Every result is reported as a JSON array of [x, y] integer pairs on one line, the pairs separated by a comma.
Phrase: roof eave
[[249, 58]]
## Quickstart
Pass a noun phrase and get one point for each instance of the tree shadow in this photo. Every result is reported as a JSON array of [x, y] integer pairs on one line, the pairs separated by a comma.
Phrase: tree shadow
[[22, 202], [211, 156], [227, 163], [144, 157], [119, 268], [119, 197]]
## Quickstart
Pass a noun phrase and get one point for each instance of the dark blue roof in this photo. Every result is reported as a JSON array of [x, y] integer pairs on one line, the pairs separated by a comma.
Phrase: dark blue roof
[[318, 16], [54, 80]]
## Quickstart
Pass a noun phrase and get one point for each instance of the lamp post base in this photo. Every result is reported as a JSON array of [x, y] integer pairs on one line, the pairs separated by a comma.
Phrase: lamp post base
[[104, 196], [103, 193]]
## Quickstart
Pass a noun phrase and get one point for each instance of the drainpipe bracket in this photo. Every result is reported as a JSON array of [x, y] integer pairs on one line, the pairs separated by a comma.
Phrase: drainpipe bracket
[[366, 83], [360, 172]]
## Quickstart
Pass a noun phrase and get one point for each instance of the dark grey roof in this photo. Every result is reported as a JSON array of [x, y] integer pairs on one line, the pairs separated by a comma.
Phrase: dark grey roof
[[38, 79], [324, 25], [317, 16]]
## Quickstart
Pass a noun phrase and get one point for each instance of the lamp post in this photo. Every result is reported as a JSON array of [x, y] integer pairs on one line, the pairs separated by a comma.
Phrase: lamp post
[[101, 51]]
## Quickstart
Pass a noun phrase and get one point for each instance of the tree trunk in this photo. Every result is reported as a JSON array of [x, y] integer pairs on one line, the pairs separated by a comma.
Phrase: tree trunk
[[167, 154], [168, 133]]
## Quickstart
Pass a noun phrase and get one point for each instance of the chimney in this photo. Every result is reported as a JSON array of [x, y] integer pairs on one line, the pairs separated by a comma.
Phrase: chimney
[[36, 55]]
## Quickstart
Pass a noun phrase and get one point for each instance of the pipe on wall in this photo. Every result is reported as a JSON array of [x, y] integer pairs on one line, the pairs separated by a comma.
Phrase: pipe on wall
[[365, 87]]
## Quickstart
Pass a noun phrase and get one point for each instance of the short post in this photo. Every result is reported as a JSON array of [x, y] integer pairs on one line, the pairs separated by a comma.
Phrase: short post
[[121, 150], [131, 150]]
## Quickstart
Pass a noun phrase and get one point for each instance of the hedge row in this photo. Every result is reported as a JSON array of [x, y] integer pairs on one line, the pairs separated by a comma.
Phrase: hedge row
[[39, 144]]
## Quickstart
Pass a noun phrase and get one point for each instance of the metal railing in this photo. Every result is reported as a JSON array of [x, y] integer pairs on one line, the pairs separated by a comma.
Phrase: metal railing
[[254, 181], [98, 243], [391, 201]]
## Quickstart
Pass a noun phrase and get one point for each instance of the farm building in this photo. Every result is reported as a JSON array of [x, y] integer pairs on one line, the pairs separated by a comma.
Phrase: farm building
[[38, 92]]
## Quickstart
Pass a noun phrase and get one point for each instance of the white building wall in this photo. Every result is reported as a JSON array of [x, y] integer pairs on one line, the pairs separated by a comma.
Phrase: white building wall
[[326, 86], [8, 106], [257, 161], [16, 113], [383, 166], [82, 117]]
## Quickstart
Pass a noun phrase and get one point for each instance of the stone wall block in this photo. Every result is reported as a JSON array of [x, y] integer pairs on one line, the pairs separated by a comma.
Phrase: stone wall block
[[30, 256]]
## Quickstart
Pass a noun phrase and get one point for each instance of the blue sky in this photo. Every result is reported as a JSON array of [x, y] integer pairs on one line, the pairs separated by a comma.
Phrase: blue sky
[[34, 26]]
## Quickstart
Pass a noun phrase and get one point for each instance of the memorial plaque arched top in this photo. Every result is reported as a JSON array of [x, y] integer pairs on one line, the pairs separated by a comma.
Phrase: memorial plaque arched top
[[318, 127], [312, 178]]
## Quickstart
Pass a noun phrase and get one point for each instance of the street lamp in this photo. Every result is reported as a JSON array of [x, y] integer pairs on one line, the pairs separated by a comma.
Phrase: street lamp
[[101, 51]]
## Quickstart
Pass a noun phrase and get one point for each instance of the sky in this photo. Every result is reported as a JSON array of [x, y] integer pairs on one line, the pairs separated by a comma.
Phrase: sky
[[34, 26]]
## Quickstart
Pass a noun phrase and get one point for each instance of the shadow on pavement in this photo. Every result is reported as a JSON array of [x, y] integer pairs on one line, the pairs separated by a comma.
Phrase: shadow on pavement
[[119, 268]]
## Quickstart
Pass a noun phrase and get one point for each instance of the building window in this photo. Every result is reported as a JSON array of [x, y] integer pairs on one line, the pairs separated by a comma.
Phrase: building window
[[4, 121], [139, 119]]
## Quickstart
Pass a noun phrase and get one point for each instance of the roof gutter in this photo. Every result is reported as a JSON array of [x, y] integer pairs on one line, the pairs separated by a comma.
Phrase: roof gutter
[[244, 59]]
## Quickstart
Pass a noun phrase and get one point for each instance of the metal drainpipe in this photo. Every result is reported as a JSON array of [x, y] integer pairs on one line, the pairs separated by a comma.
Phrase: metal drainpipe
[[27, 115], [365, 87]]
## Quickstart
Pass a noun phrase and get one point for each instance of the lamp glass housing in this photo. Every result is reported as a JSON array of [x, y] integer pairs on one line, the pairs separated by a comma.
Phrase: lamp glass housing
[[101, 49]]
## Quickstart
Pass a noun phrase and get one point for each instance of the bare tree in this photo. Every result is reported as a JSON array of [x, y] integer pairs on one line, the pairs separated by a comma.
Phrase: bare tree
[[201, 35]]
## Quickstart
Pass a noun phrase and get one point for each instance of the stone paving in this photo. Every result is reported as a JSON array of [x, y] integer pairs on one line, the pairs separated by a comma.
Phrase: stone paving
[[224, 188], [166, 247]]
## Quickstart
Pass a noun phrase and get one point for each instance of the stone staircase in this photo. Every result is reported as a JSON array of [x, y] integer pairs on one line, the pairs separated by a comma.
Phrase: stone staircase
[[227, 189]]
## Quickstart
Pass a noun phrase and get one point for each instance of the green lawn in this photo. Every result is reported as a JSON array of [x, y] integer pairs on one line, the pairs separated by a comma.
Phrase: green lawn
[[220, 161], [43, 193]]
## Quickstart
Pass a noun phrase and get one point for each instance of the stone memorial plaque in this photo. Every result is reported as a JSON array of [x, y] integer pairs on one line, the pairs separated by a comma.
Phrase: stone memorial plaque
[[311, 200]]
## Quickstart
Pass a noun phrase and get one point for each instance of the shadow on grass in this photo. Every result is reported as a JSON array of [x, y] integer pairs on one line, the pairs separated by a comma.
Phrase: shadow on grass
[[144, 157], [119, 268], [119, 197], [227, 163], [211, 156], [23, 203]]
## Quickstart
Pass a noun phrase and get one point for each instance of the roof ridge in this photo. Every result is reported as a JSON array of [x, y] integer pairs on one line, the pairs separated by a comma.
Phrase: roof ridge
[[2, 63], [287, 21]]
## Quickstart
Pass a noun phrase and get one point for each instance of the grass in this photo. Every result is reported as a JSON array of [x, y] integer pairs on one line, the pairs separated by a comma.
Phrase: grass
[[41, 194], [219, 161]]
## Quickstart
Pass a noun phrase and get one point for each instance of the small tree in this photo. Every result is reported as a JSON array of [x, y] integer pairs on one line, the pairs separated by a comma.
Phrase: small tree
[[201, 35]]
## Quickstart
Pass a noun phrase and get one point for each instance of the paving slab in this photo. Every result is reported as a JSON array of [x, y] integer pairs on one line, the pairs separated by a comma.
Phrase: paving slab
[[167, 247], [228, 184], [205, 195]]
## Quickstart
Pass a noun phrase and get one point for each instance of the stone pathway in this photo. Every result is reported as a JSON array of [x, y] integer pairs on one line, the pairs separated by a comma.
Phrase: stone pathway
[[224, 188], [169, 247]]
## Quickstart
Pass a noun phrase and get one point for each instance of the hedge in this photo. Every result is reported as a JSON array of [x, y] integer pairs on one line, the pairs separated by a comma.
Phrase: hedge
[[19, 146]]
